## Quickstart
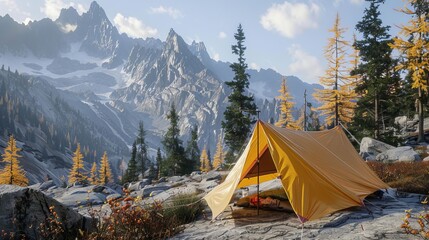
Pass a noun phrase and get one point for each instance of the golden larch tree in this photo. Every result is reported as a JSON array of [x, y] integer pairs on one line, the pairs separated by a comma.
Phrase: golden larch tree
[[413, 44], [337, 97], [105, 173], [12, 172], [204, 161], [285, 106], [76, 173], [219, 156], [93, 178]]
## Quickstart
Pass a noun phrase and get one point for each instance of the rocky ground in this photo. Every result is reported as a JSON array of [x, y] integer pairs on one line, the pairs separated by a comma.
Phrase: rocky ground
[[381, 219]]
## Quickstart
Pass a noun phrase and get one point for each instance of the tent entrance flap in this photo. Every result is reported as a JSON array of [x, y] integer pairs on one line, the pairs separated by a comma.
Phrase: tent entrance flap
[[266, 165]]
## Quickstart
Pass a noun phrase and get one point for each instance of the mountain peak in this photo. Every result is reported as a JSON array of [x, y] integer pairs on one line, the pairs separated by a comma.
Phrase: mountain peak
[[68, 16], [171, 34], [198, 46], [200, 51], [94, 6], [175, 42], [97, 11]]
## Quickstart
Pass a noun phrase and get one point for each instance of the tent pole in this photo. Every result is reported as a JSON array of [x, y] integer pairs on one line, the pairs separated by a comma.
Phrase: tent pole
[[257, 149], [305, 110]]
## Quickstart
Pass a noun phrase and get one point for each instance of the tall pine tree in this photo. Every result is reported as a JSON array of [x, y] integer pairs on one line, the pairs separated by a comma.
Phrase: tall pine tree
[[12, 173], [176, 162], [159, 161], [142, 158], [131, 174], [379, 84], [237, 124], [192, 150], [413, 44]]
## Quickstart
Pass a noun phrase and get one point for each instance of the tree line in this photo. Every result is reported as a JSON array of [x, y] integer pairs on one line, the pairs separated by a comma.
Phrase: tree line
[[176, 160]]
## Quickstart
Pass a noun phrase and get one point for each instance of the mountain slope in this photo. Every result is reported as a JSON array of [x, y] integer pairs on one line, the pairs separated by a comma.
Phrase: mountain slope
[[43, 119]]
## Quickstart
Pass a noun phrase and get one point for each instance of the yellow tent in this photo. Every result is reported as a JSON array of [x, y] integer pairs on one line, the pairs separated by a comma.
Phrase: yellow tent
[[320, 172]]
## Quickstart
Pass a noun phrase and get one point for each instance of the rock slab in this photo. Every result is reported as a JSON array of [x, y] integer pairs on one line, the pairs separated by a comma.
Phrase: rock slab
[[402, 154], [23, 209], [369, 148]]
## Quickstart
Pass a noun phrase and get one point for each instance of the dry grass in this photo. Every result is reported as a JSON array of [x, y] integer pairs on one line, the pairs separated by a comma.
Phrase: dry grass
[[405, 176]]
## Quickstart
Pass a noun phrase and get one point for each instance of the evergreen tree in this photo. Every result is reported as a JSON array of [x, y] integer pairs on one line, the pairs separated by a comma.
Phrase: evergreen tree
[[131, 174], [379, 80], [354, 78], [338, 96], [175, 162], [314, 122], [153, 174], [285, 117], [159, 161], [219, 156], [105, 172], [142, 157], [93, 179], [204, 161], [237, 124], [192, 150], [76, 173], [413, 44], [12, 172]]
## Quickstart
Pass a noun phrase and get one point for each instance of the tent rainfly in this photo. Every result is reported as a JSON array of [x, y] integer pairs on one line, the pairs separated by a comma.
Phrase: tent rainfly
[[320, 171]]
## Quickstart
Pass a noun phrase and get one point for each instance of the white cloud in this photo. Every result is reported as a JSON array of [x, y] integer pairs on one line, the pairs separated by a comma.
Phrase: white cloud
[[357, 2], [52, 8], [222, 35], [216, 57], [68, 28], [133, 27], [254, 66], [337, 3], [79, 7], [27, 20], [172, 12], [289, 19], [11, 7], [304, 65]]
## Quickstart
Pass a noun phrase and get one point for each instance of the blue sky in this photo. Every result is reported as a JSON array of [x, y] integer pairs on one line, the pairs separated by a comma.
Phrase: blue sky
[[288, 36]]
